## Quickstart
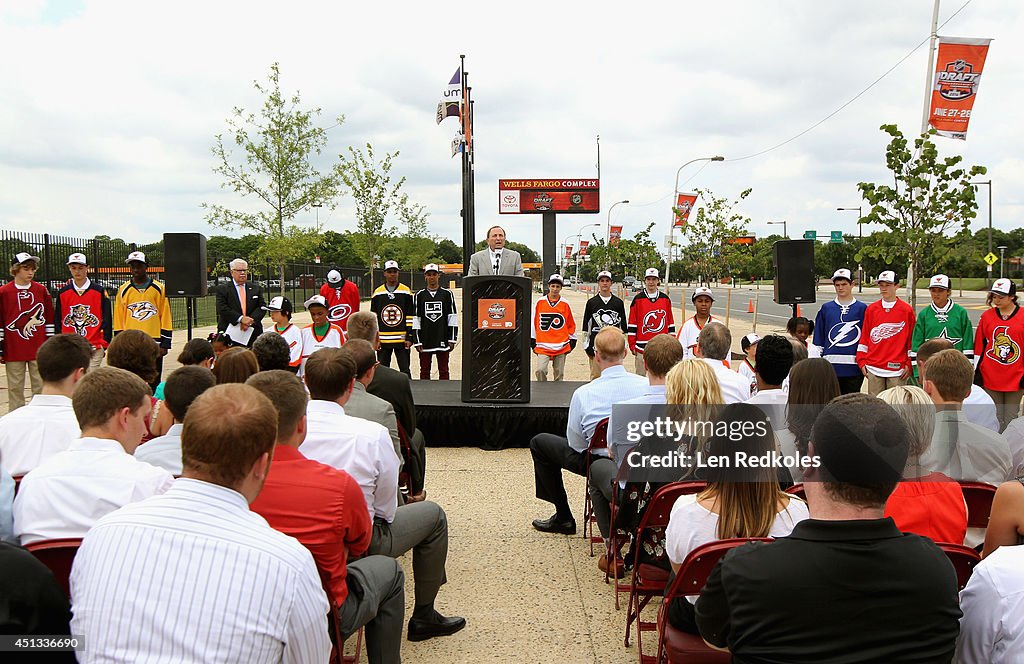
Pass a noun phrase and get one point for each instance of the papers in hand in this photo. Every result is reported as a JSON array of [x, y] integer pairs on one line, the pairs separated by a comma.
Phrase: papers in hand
[[236, 334]]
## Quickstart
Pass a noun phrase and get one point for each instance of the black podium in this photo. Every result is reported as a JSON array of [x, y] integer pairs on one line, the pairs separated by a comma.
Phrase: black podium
[[496, 314]]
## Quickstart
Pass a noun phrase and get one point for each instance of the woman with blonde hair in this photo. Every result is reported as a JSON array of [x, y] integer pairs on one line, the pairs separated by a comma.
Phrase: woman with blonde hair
[[931, 505], [743, 502], [692, 393]]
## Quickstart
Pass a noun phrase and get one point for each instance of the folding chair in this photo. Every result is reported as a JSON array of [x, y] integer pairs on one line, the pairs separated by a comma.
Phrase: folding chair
[[676, 646], [334, 627], [404, 478], [964, 560], [978, 496], [17, 482], [648, 580], [613, 531], [57, 555], [598, 441], [798, 491]]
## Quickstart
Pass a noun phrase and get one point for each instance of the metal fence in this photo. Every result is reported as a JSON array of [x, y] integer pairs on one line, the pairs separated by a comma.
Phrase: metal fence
[[107, 268]]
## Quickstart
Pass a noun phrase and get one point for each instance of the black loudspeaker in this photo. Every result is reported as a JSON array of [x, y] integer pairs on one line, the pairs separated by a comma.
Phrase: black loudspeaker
[[794, 271], [185, 264]]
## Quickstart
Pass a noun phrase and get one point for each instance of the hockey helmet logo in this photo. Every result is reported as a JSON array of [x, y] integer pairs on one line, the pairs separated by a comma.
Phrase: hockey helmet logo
[[28, 322], [654, 322], [1003, 349], [551, 322], [80, 318], [143, 310]]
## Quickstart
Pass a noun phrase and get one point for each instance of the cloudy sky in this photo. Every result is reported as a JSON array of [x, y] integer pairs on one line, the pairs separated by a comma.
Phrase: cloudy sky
[[110, 108]]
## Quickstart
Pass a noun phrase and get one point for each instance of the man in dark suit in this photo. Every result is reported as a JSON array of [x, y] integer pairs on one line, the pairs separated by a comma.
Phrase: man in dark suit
[[240, 302]]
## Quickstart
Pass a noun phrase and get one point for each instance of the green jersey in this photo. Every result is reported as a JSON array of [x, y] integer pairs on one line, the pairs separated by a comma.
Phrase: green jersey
[[951, 323]]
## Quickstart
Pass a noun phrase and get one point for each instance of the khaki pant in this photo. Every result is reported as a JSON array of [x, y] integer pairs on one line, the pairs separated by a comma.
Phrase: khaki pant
[[97, 358], [638, 365], [877, 384], [16, 382], [557, 362]]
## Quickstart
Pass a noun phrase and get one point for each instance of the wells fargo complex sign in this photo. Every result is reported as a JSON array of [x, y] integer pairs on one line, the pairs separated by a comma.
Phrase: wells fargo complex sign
[[552, 195]]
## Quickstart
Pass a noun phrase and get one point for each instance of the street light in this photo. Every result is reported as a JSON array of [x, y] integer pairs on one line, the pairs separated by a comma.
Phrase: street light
[[976, 185], [318, 206], [1002, 248], [580, 236], [672, 226], [860, 244], [608, 245], [785, 233]]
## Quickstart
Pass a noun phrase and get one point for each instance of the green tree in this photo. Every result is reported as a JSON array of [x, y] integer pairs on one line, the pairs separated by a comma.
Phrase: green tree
[[275, 168], [929, 196], [447, 251], [709, 231]]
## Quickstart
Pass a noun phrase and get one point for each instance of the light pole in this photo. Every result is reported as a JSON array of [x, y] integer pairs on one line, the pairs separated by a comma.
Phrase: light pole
[[580, 236], [672, 226], [860, 244], [1002, 249], [608, 241], [976, 185], [562, 262], [785, 233], [318, 206]]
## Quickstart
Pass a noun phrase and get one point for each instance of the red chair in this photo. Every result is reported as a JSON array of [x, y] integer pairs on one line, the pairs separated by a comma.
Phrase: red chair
[[614, 543], [798, 491], [334, 628], [978, 496], [17, 482], [964, 560], [675, 645], [598, 441], [648, 580], [57, 555]]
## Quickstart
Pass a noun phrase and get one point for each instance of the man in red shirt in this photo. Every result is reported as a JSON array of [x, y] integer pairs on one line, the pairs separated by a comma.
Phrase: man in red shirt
[[324, 509]]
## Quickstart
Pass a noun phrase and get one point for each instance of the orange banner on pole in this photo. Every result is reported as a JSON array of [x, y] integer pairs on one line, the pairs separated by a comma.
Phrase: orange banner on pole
[[583, 247], [684, 204], [958, 68], [568, 251], [615, 234]]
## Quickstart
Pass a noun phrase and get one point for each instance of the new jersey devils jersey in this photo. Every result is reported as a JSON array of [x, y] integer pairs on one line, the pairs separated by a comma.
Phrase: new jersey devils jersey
[[649, 317]]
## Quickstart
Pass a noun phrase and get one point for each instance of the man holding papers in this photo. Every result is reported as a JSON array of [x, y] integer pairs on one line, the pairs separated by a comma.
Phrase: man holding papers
[[240, 306]]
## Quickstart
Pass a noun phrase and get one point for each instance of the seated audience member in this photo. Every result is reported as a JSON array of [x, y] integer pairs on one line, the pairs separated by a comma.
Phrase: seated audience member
[[978, 406], [235, 365], [928, 504], [1014, 436], [992, 627], [181, 389], [7, 506], [774, 359], [197, 352], [661, 354], [959, 449], [839, 562], [713, 344], [272, 352], [220, 342], [396, 388], [324, 509], [32, 603], [813, 384], [364, 450], [735, 504], [1006, 522], [68, 492], [138, 353], [590, 404], [799, 355], [196, 574], [47, 425]]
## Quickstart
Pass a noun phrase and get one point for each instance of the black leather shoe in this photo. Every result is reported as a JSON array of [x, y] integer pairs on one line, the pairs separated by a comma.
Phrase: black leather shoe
[[554, 525], [438, 625]]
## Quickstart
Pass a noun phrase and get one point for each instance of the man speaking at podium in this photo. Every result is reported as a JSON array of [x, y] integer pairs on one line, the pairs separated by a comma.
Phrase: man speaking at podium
[[496, 259]]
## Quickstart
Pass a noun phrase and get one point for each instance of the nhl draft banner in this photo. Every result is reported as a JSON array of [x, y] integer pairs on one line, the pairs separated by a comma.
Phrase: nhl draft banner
[[568, 251], [615, 235], [684, 204], [958, 69], [583, 247]]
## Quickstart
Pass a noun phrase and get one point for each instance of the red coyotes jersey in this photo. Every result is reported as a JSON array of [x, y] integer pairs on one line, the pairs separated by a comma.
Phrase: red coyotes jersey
[[885, 338], [997, 345], [26, 320], [341, 302], [86, 314], [553, 327], [649, 318]]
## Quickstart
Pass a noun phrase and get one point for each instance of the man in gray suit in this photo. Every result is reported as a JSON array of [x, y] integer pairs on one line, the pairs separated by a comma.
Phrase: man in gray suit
[[362, 404], [496, 259]]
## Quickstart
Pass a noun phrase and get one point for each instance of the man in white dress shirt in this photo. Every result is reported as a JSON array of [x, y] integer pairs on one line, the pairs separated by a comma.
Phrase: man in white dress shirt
[[992, 627], [66, 494], [496, 258], [776, 354], [364, 450], [47, 425], [183, 386], [713, 345], [193, 575]]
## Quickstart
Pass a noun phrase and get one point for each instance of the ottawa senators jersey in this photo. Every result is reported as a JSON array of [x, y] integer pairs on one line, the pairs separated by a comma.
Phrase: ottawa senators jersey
[[26, 320], [648, 318], [341, 302], [394, 310], [998, 344], [146, 309], [553, 327], [86, 313]]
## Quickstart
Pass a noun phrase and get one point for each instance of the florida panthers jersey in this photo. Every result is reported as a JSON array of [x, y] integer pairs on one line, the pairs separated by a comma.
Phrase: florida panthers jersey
[[837, 329], [649, 317], [26, 320], [86, 313]]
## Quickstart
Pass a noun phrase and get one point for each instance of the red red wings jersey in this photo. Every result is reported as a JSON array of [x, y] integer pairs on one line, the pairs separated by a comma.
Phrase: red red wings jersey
[[553, 327], [649, 318], [998, 344], [86, 314], [341, 302], [885, 338], [26, 320]]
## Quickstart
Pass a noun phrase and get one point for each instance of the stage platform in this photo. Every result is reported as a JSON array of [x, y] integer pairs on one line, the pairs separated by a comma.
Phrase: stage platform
[[448, 422]]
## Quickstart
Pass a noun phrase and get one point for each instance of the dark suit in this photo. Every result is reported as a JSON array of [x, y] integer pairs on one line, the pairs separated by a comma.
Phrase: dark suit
[[229, 309], [396, 388]]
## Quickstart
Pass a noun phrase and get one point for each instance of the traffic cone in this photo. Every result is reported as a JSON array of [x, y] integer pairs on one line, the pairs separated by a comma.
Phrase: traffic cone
[[750, 307], [798, 311]]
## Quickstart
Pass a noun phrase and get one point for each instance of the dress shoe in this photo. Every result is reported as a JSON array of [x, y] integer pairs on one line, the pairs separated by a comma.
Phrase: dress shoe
[[614, 570], [436, 625], [417, 498], [556, 525]]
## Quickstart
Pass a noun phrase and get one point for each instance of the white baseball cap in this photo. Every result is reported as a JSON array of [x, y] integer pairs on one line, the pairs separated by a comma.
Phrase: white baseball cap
[[390, 265], [1003, 287], [749, 340], [842, 273], [334, 277], [556, 277], [888, 275], [77, 259], [136, 256], [279, 303], [652, 272], [431, 267], [939, 281], [23, 257], [316, 299], [700, 290], [604, 273]]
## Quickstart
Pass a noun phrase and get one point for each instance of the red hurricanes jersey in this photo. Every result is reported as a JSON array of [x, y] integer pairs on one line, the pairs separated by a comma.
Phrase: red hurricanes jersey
[[885, 337], [649, 318], [341, 302], [553, 327], [26, 320]]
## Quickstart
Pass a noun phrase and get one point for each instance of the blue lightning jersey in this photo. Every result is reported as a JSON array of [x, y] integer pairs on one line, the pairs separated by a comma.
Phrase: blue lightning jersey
[[837, 330]]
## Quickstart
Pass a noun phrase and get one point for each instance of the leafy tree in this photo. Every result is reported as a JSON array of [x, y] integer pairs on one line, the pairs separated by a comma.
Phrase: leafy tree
[[337, 249], [447, 251], [526, 253], [709, 231], [929, 196], [275, 167]]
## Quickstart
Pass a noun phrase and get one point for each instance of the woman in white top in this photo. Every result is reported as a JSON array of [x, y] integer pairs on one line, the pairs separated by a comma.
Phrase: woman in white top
[[733, 504]]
